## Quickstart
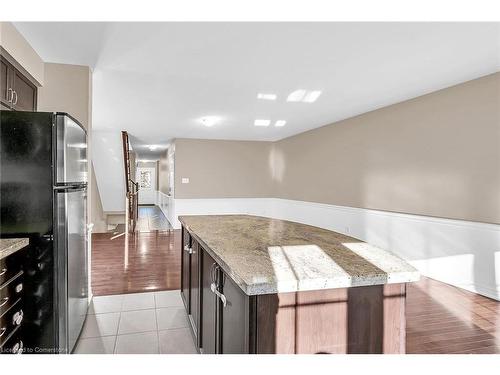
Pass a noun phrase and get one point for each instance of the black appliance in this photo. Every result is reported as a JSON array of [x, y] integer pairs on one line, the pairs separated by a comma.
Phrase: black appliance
[[43, 196]]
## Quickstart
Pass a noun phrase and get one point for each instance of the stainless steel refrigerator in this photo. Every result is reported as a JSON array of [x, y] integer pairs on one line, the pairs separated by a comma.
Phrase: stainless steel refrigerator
[[43, 164]]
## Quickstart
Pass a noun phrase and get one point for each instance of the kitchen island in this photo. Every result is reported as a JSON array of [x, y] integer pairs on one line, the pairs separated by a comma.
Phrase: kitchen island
[[258, 285]]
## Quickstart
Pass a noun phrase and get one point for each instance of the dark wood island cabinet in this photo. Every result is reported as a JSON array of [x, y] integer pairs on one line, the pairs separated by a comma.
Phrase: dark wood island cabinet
[[258, 285]]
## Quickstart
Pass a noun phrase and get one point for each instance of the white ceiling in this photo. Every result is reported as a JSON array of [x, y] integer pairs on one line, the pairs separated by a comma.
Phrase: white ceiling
[[156, 80]]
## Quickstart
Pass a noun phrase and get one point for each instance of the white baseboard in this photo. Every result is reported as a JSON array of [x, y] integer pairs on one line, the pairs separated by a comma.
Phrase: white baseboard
[[461, 253]]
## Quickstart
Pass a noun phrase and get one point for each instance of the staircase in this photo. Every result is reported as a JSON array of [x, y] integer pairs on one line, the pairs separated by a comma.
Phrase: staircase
[[132, 188]]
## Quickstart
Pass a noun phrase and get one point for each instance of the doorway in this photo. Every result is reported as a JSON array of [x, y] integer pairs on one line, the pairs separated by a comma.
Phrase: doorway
[[147, 185]]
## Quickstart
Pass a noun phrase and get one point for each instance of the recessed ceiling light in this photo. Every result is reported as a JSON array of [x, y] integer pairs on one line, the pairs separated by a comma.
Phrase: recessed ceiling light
[[262, 122], [311, 96], [209, 120], [266, 96], [280, 123], [153, 147], [296, 96]]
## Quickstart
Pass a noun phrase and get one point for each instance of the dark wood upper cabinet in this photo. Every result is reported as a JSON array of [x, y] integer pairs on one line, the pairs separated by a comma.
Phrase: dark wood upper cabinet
[[25, 93], [4, 81], [17, 91]]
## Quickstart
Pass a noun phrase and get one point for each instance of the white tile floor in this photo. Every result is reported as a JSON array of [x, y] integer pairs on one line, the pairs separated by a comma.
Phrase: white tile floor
[[139, 323]]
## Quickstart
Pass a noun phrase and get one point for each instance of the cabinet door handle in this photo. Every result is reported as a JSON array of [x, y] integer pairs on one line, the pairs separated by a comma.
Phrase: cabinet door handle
[[2, 331], [11, 95], [212, 279], [4, 301], [218, 294], [3, 272], [14, 92]]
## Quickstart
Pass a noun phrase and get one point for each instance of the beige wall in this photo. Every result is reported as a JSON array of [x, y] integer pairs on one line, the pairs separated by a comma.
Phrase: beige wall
[[67, 88], [222, 169], [436, 155], [20, 51]]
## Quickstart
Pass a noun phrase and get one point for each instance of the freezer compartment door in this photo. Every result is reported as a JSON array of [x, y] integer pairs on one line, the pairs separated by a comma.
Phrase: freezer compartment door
[[71, 238], [71, 151]]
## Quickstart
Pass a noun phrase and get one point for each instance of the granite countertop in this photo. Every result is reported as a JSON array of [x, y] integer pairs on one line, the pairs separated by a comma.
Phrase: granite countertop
[[11, 245], [265, 256]]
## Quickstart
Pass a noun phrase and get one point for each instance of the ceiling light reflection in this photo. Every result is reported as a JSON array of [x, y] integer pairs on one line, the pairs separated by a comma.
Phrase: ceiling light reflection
[[311, 96], [304, 96], [209, 121], [296, 96], [262, 122], [266, 96]]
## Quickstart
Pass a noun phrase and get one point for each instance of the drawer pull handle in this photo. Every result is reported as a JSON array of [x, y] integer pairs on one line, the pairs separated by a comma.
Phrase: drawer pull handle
[[2, 331], [18, 317], [3, 272], [19, 288], [218, 294], [18, 348], [4, 301]]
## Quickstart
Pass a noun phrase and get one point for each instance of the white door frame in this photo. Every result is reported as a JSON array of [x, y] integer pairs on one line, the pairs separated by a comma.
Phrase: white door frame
[[147, 195]]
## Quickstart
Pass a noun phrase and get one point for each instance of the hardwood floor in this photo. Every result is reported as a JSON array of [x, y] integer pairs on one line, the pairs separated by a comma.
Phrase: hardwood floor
[[140, 262], [440, 318], [443, 319], [152, 218]]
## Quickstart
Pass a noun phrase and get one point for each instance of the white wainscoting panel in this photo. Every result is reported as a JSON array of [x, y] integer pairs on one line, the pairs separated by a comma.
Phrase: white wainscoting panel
[[461, 253], [167, 206]]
